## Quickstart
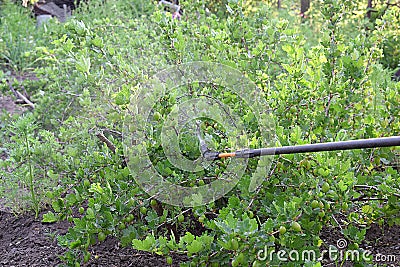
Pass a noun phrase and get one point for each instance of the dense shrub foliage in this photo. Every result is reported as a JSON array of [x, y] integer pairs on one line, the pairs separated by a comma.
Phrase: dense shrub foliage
[[325, 78]]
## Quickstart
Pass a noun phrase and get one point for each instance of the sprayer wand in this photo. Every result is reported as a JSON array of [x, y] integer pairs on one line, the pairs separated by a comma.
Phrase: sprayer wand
[[330, 146], [205, 151]]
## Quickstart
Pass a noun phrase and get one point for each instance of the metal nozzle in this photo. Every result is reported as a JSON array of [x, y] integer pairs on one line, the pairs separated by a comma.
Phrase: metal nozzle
[[211, 155], [205, 151]]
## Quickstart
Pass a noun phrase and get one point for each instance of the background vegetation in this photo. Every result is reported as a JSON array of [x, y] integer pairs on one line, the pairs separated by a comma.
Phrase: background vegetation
[[327, 75]]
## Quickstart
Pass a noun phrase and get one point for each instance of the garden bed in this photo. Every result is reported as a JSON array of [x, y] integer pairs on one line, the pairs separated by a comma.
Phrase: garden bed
[[26, 241]]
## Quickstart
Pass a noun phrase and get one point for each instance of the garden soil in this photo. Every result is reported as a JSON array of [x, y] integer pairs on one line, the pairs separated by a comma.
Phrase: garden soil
[[26, 241], [7, 104]]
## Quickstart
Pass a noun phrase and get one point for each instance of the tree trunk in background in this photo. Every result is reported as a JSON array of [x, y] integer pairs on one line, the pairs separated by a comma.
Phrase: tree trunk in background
[[279, 4], [304, 6]]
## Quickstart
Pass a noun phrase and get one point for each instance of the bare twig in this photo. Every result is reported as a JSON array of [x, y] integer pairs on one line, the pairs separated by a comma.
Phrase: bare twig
[[361, 186], [369, 199], [113, 132], [20, 96], [173, 219], [328, 105], [105, 140], [112, 147], [334, 218], [260, 186]]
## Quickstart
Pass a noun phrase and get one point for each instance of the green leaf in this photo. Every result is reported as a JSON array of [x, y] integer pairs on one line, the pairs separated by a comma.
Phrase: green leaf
[[188, 238], [71, 199], [83, 64], [98, 42], [194, 247], [367, 209], [57, 205], [49, 217], [75, 244], [90, 213], [96, 188], [248, 226], [122, 97], [128, 235], [144, 245], [342, 185]]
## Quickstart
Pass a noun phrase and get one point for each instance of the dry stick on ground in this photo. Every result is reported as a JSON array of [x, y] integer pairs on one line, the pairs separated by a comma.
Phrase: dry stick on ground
[[334, 218], [19, 95]]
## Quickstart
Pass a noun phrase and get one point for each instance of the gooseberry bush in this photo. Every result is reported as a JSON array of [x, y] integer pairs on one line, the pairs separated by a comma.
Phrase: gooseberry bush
[[319, 86]]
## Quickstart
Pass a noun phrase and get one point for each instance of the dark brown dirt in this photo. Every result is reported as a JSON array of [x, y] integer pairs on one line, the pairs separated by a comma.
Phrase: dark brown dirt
[[382, 243], [111, 254], [25, 241], [7, 103]]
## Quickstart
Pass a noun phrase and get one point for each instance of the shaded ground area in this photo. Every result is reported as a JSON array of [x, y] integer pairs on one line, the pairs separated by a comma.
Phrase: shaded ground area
[[7, 103], [25, 241], [382, 243]]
